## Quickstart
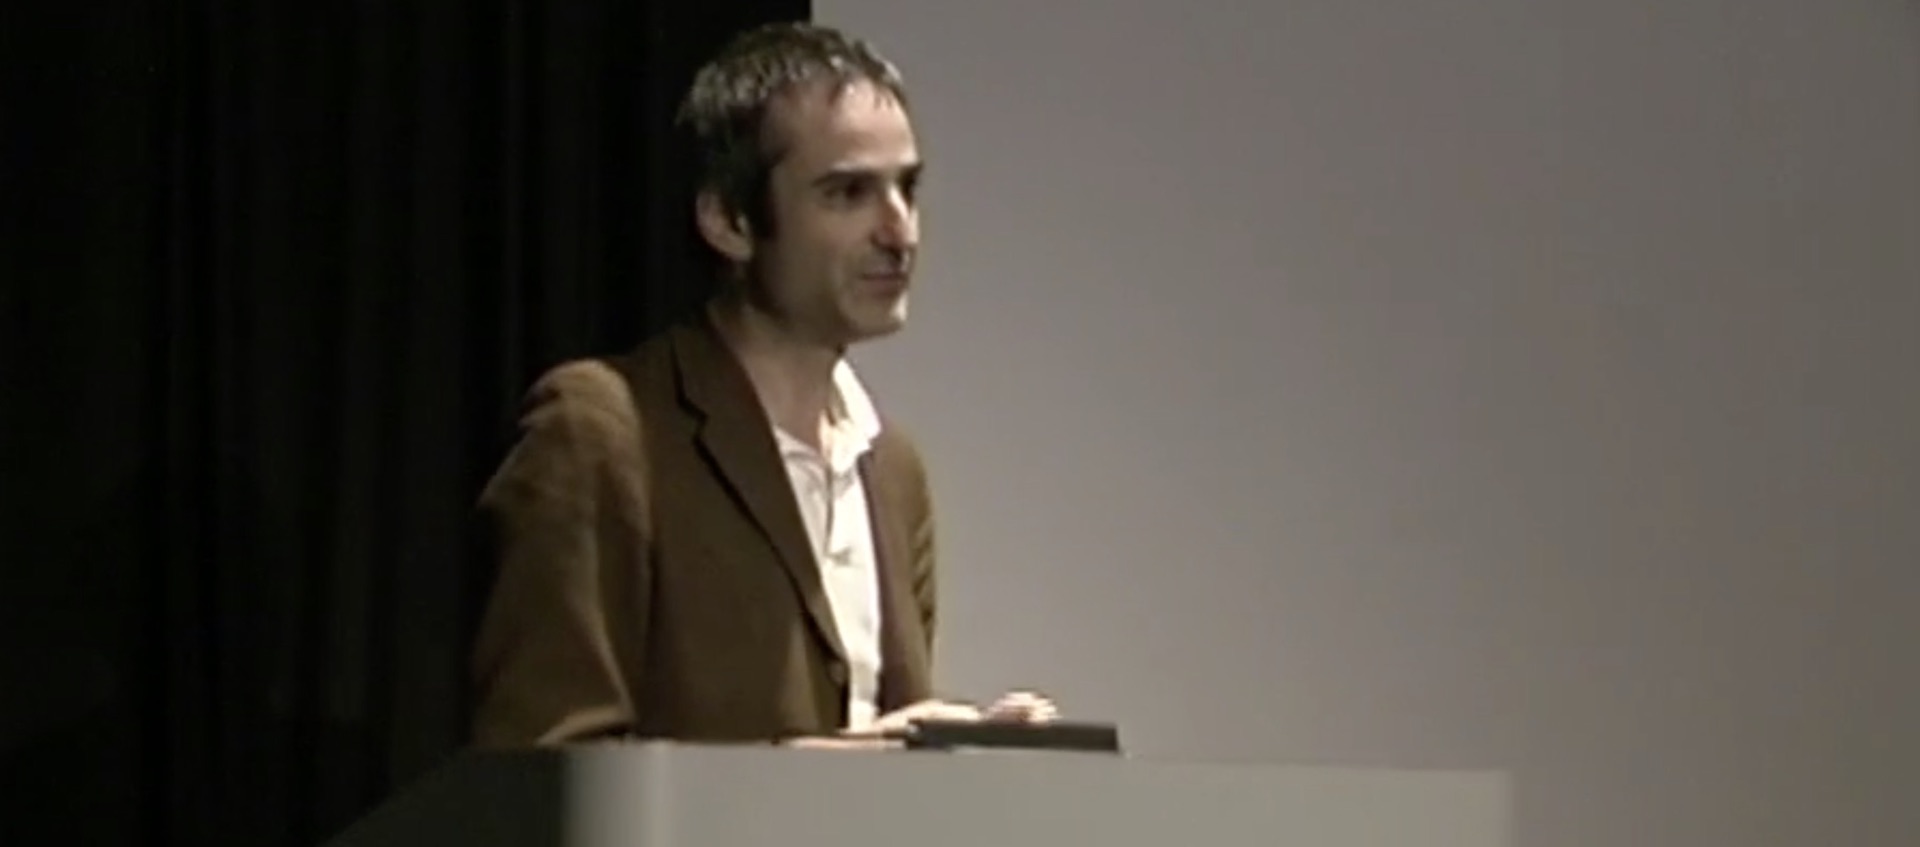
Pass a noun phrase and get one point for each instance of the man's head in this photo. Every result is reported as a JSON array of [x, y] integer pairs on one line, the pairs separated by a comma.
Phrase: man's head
[[808, 178]]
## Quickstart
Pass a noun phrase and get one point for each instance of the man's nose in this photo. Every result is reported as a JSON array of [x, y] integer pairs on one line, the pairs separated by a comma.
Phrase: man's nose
[[899, 224]]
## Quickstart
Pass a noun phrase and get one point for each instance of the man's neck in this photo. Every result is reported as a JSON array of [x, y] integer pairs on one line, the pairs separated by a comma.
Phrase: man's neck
[[792, 376]]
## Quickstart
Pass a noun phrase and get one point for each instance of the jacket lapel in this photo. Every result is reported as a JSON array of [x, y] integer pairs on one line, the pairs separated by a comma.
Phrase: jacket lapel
[[735, 435], [902, 664]]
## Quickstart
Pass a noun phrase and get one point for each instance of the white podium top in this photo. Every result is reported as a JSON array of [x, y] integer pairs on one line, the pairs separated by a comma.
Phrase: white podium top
[[666, 795]]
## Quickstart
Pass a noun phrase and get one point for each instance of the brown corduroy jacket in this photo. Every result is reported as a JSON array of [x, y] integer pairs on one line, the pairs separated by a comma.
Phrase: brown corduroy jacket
[[655, 578]]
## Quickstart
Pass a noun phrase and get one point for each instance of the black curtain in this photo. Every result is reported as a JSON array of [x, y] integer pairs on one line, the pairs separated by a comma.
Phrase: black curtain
[[275, 275]]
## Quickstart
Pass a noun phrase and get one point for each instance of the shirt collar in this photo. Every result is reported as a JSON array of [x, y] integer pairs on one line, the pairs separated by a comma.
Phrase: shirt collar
[[852, 406], [851, 413]]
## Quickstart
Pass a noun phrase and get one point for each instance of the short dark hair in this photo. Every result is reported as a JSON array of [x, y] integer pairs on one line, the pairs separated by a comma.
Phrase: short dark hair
[[723, 117]]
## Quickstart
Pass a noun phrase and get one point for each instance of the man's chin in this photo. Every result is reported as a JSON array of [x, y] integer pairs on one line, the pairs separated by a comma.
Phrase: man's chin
[[874, 327]]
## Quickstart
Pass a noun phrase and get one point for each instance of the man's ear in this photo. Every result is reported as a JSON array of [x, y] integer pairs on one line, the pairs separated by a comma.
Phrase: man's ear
[[726, 232]]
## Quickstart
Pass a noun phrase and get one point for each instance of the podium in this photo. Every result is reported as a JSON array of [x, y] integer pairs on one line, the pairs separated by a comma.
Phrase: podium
[[665, 794]]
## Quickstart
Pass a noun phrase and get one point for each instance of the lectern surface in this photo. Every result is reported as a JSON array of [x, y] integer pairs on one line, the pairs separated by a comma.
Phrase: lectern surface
[[668, 795]]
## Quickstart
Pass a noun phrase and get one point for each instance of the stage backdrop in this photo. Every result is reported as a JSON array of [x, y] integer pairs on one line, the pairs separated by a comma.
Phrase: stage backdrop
[[275, 276], [1480, 384]]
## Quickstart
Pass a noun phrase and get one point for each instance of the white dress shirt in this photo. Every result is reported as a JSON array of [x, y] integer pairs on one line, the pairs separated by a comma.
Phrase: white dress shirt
[[833, 505]]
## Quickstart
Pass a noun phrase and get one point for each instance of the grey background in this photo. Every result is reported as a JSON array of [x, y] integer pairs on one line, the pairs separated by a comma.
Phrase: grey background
[[1487, 383]]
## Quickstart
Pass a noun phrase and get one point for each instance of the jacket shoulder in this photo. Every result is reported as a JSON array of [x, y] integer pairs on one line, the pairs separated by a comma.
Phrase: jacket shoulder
[[601, 390], [897, 448], [577, 419], [583, 401]]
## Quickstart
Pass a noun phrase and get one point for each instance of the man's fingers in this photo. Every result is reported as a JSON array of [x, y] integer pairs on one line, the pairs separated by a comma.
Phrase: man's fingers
[[843, 743], [943, 711], [1018, 706], [1024, 700], [1024, 706], [925, 710]]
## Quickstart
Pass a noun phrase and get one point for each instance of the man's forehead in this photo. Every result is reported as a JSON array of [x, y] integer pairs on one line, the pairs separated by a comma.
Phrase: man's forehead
[[826, 97], [831, 124]]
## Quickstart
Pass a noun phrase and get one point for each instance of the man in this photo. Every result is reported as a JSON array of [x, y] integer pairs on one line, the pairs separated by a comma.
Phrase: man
[[716, 537]]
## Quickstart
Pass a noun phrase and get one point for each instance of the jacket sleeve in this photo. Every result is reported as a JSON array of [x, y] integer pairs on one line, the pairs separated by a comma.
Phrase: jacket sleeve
[[926, 582], [557, 656]]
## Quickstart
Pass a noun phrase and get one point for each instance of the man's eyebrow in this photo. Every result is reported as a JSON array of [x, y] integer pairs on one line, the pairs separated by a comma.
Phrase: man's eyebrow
[[855, 172]]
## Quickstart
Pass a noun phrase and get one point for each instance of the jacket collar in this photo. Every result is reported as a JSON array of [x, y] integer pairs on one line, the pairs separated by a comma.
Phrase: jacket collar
[[735, 434]]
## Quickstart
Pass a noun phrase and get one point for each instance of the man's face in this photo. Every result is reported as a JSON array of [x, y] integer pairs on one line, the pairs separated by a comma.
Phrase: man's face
[[836, 267]]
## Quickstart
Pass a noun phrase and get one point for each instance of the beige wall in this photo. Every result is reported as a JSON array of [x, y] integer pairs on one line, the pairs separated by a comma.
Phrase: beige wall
[[1484, 383]]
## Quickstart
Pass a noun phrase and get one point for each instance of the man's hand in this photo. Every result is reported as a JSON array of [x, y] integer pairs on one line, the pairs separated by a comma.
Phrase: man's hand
[[876, 735], [832, 743], [1012, 707], [1022, 707], [925, 710]]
